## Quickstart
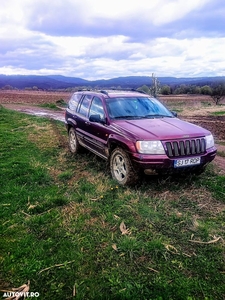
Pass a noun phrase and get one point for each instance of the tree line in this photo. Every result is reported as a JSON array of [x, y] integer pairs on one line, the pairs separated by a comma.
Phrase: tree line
[[216, 91]]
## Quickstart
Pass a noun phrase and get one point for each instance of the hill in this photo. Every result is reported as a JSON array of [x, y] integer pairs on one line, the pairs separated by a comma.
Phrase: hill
[[53, 82]]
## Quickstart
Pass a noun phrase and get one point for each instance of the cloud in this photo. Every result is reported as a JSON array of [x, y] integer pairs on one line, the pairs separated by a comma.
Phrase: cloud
[[110, 38], [133, 19]]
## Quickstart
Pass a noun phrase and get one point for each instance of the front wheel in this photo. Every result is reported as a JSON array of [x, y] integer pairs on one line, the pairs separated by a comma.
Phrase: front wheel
[[121, 168], [73, 141]]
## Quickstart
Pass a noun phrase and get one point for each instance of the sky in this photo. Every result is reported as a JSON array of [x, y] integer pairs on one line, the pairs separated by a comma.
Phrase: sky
[[103, 39]]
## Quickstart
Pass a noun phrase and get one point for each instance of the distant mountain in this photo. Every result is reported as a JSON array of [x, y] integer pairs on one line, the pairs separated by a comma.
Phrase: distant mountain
[[42, 82], [52, 82], [70, 80]]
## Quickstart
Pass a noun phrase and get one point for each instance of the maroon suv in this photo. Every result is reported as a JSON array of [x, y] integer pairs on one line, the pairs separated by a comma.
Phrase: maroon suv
[[136, 132]]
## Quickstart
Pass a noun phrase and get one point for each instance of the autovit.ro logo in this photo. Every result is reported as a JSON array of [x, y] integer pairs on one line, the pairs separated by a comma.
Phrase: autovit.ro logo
[[18, 295]]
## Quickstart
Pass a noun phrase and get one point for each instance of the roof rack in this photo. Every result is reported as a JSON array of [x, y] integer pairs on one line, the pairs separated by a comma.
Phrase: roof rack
[[83, 90], [104, 92], [125, 90], [140, 91]]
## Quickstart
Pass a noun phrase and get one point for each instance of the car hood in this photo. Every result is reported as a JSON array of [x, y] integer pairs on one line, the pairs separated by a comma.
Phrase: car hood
[[160, 129]]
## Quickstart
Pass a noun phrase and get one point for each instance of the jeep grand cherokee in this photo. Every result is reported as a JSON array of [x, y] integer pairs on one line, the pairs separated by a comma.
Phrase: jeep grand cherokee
[[135, 132]]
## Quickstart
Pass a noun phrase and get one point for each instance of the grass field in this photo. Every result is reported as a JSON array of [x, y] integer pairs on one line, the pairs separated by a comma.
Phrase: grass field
[[68, 228]]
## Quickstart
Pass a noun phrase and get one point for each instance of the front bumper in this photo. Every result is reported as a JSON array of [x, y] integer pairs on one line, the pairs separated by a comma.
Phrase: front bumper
[[163, 164]]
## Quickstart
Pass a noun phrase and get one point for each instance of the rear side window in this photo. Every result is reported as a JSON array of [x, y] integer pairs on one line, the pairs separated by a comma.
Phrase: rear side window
[[74, 101], [84, 105]]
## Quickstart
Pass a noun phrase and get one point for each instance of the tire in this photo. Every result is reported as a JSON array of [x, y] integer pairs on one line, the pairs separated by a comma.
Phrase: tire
[[121, 168], [73, 141]]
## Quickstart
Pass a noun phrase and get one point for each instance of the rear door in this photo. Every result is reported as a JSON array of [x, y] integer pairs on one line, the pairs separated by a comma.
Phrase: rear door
[[82, 120]]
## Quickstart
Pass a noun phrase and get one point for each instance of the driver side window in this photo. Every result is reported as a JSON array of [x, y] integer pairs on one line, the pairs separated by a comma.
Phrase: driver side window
[[97, 108]]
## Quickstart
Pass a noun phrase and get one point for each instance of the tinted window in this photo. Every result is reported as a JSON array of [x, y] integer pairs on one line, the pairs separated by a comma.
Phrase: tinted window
[[74, 101], [85, 102], [97, 108]]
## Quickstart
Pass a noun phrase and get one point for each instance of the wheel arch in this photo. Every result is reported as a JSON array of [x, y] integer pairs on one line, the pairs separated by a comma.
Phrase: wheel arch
[[70, 123], [68, 126], [120, 142]]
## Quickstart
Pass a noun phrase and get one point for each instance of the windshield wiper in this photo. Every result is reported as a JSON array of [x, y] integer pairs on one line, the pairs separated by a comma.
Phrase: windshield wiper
[[128, 117], [142, 117], [157, 116]]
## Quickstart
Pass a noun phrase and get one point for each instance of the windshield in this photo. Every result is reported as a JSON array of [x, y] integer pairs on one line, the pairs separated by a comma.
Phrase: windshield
[[136, 108]]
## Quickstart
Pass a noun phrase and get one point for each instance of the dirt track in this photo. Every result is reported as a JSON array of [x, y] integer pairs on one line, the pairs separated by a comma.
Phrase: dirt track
[[28, 101], [36, 110]]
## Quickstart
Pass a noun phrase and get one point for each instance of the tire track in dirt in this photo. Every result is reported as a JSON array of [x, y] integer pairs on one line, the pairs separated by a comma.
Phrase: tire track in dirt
[[37, 111]]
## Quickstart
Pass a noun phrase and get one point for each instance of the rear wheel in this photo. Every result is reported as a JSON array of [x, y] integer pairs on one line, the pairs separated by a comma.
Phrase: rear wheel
[[121, 168], [73, 141]]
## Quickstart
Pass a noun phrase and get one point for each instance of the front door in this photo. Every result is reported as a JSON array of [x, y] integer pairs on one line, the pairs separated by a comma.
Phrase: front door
[[97, 131]]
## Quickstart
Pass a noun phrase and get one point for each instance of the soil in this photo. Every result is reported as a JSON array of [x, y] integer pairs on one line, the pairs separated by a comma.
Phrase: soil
[[199, 110]]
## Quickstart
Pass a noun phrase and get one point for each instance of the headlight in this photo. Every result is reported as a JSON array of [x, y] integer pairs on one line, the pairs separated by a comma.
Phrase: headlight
[[209, 141], [150, 147]]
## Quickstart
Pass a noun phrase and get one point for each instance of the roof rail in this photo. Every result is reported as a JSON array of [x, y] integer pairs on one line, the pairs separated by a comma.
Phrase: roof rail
[[139, 91], [104, 92], [83, 90], [142, 92]]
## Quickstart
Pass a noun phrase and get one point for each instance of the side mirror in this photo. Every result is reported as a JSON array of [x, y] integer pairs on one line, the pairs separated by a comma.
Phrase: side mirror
[[174, 113], [97, 119]]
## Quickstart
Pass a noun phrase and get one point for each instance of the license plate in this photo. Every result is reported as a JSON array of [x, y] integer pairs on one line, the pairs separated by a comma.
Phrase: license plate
[[187, 162]]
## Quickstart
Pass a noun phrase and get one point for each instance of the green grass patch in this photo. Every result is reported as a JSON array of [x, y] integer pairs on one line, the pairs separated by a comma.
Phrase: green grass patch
[[55, 106], [61, 102], [221, 153], [205, 104], [221, 143], [218, 113], [52, 106], [69, 228]]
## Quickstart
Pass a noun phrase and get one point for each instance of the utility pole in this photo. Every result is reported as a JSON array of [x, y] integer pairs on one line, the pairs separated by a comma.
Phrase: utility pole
[[155, 86]]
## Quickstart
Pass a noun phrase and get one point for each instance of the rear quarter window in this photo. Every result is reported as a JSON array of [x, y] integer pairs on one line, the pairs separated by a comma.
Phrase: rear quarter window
[[74, 100]]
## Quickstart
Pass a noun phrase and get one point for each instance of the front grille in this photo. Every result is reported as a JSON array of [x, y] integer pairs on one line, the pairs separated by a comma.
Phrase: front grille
[[185, 147]]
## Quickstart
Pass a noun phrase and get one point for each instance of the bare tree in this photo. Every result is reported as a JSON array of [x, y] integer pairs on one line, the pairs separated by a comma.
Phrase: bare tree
[[218, 93]]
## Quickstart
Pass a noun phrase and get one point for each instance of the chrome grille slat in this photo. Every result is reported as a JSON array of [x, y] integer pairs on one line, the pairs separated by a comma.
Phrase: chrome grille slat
[[176, 149], [187, 147], [193, 147], [182, 148]]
